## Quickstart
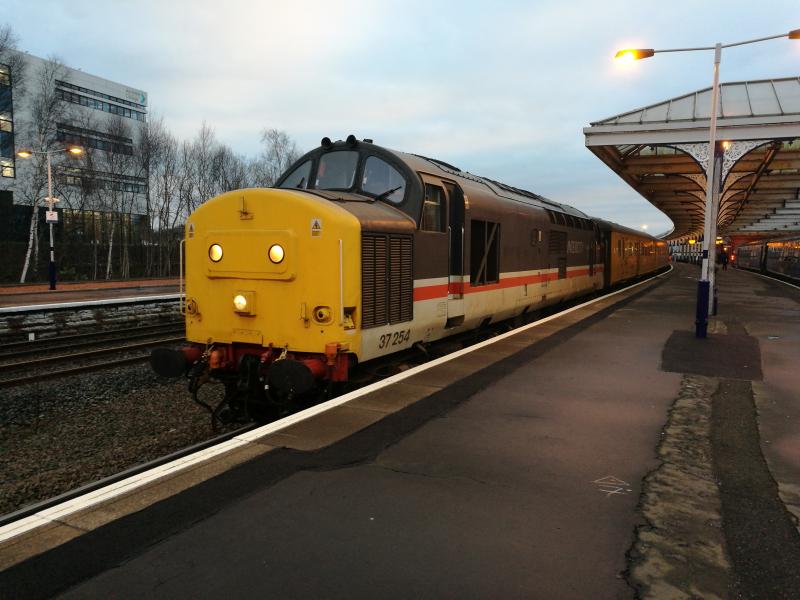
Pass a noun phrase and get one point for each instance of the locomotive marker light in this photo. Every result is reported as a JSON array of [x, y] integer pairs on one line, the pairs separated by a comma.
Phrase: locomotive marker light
[[276, 253], [215, 252], [705, 285], [51, 216]]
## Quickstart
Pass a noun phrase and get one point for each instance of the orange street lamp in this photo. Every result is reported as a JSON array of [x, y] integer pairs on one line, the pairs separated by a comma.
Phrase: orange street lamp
[[705, 285], [631, 54], [75, 151]]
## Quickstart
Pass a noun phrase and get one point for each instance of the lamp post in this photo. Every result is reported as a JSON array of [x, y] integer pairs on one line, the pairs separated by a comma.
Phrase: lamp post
[[75, 151], [705, 284]]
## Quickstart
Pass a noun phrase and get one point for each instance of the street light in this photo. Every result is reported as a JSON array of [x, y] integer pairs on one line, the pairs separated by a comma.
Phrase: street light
[[75, 151], [705, 284]]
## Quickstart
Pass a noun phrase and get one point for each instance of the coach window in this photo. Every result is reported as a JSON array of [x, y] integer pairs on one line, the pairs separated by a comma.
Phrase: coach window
[[383, 181], [299, 177], [337, 170], [433, 209]]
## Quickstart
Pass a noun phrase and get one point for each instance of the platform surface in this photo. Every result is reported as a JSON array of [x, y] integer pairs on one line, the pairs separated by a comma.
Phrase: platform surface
[[69, 292], [513, 477]]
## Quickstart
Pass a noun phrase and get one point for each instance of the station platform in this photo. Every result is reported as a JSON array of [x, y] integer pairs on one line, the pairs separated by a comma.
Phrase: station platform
[[23, 295], [605, 453]]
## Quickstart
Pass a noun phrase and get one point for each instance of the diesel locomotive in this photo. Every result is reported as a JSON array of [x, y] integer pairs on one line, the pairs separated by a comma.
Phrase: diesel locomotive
[[360, 251]]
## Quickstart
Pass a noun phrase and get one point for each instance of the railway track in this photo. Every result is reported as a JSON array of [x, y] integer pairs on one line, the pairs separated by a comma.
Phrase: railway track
[[140, 468], [96, 346], [80, 340]]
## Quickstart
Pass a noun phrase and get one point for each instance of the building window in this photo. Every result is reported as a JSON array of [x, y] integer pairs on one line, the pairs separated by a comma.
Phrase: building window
[[100, 105], [78, 88], [77, 176], [7, 167], [89, 138]]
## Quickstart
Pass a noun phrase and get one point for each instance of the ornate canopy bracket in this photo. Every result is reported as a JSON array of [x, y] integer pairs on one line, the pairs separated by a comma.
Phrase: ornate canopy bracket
[[734, 152], [699, 152]]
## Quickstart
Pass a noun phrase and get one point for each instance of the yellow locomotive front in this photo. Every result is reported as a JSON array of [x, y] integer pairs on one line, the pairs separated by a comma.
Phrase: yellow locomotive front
[[272, 290]]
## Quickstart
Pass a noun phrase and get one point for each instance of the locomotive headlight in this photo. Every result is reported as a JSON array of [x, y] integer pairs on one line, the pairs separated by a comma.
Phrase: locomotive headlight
[[244, 303], [240, 303], [215, 252], [276, 253]]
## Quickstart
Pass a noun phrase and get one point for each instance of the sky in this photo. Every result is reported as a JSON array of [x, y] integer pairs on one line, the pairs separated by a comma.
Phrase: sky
[[500, 89]]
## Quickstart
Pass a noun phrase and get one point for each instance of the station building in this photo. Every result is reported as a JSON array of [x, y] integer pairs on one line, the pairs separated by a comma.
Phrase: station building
[[89, 106]]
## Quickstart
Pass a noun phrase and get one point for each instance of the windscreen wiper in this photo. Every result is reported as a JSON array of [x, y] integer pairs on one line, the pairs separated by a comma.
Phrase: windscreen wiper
[[387, 193]]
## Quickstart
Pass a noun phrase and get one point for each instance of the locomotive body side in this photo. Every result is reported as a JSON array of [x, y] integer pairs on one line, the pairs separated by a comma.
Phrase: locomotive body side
[[481, 255]]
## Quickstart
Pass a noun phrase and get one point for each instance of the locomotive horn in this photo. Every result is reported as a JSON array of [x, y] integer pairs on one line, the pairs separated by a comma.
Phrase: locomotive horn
[[326, 142], [352, 141]]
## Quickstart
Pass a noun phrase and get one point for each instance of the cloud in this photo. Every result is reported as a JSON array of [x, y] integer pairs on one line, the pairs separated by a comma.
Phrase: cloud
[[502, 89]]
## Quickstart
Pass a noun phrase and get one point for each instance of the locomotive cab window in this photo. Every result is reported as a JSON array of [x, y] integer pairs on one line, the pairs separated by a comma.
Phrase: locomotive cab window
[[382, 180], [299, 177], [337, 170], [433, 209]]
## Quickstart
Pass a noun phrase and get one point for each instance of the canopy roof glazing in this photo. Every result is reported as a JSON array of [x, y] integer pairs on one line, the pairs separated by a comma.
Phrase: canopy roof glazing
[[662, 151]]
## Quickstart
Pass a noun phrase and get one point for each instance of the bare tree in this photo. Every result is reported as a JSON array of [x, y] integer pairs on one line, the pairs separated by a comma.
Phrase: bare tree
[[14, 60], [230, 170], [39, 134], [119, 193], [201, 165], [278, 153], [166, 180]]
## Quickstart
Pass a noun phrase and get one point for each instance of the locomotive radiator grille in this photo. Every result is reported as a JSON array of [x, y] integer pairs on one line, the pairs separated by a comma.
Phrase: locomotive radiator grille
[[387, 285]]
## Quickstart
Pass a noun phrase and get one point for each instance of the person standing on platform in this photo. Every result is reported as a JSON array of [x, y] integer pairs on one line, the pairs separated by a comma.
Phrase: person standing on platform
[[724, 260]]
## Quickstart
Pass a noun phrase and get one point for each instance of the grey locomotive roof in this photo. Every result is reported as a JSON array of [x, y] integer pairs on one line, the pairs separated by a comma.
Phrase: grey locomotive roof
[[438, 167]]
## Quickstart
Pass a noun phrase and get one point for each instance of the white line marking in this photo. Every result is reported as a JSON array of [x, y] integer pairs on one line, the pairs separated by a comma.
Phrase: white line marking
[[135, 481], [34, 307], [797, 287]]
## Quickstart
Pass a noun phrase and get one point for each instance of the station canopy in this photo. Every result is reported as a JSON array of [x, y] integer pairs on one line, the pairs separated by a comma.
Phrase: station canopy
[[662, 152]]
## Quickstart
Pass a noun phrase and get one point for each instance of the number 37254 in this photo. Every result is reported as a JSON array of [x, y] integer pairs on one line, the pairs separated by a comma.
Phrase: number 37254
[[394, 338]]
